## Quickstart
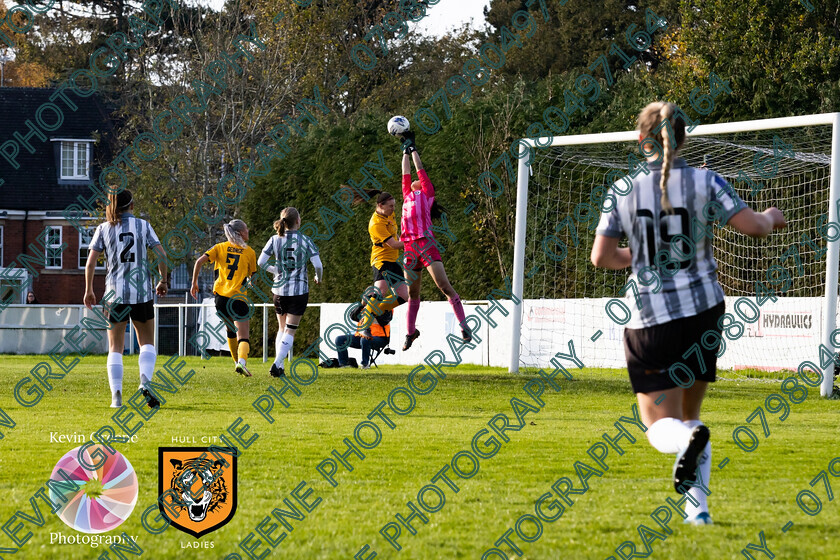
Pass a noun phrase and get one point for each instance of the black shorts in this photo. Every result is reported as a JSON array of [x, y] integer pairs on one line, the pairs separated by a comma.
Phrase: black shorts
[[651, 351], [139, 312], [394, 268], [232, 309], [296, 305]]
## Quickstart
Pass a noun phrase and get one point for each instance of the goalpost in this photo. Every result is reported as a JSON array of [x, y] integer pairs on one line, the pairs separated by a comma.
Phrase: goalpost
[[562, 296]]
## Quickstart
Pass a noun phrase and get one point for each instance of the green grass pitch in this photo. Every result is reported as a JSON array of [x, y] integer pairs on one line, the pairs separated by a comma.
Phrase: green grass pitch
[[754, 492]]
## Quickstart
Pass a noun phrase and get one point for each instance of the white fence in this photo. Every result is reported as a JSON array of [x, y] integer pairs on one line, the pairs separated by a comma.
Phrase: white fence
[[37, 329], [788, 332]]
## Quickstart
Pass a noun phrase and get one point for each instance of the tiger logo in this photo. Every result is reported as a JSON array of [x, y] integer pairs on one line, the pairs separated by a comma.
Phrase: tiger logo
[[197, 487], [185, 478]]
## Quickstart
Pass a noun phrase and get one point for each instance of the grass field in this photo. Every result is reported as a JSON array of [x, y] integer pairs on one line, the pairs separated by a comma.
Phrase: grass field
[[754, 492]]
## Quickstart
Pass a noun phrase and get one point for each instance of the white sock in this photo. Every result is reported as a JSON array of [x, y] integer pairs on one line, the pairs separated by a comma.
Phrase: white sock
[[283, 348], [146, 361], [669, 435], [277, 347], [705, 472], [115, 371], [242, 361]]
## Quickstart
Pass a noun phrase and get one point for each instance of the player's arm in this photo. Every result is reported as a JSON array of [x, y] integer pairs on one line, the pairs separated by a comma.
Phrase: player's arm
[[90, 269], [201, 260], [406, 175], [263, 261], [379, 231], [319, 268], [757, 224], [425, 182], [394, 244], [607, 254], [163, 285]]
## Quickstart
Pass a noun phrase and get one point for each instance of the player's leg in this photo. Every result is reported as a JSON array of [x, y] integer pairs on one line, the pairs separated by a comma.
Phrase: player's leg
[[230, 326], [288, 339], [294, 307], [143, 321], [390, 281], [412, 266], [438, 274], [277, 370], [413, 309], [698, 514], [391, 289], [116, 343], [649, 352], [697, 508], [240, 310]]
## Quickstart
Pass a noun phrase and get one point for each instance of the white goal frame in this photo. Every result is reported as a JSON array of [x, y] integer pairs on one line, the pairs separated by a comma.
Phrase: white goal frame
[[833, 247]]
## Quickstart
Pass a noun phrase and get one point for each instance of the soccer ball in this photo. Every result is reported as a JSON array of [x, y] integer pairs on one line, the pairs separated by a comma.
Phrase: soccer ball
[[398, 125]]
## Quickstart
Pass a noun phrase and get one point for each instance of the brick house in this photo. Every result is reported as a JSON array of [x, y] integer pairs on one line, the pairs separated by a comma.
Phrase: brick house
[[34, 235]]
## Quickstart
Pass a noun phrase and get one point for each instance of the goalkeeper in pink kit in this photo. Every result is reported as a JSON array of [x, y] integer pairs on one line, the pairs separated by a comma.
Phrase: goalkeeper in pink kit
[[418, 209]]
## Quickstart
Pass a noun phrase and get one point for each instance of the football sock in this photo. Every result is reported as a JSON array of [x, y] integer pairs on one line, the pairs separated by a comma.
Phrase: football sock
[[669, 435], [146, 361], [455, 302], [285, 346], [232, 345], [115, 371], [704, 472], [277, 346], [388, 304], [244, 348], [411, 317]]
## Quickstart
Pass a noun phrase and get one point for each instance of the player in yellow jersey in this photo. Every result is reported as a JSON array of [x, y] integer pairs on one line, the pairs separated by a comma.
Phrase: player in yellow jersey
[[235, 262], [388, 277]]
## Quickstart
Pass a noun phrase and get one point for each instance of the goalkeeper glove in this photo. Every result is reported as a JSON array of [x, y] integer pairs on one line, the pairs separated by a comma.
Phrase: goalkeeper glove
[[408, 144]]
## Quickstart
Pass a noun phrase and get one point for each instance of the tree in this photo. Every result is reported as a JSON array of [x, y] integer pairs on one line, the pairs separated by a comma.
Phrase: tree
[[17, 72], [574, 35], [780, 58]]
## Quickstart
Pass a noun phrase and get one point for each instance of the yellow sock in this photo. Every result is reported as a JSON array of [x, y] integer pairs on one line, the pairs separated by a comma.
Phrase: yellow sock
[[389, 303], [379, 307], [232, 346], [244, 348]]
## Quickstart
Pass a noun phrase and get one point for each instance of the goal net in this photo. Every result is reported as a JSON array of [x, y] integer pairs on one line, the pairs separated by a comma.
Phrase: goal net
[[564, 295]]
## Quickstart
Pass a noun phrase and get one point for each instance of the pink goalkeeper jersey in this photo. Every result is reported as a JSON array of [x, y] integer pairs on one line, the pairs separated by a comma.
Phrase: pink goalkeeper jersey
[[417, 208]]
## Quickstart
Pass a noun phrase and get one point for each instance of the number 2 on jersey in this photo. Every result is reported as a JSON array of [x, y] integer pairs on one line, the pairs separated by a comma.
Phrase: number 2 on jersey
[[126, 255]]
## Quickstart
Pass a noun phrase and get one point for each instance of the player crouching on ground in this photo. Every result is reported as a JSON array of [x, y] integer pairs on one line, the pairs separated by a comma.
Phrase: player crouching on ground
[[689, 304]]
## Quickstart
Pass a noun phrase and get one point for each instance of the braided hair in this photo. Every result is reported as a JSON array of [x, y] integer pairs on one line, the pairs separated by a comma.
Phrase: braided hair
[[652, 117]]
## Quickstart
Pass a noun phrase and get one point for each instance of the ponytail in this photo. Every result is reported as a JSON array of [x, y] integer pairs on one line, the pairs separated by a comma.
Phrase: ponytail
[[117, 204], [364, 196], [651, 118], [437, 210], [234, 230], [289, 217]]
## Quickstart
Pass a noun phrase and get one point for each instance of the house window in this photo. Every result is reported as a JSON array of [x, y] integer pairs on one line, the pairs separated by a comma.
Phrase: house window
[[53, 247], [74, 160], [85, 237]]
